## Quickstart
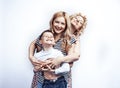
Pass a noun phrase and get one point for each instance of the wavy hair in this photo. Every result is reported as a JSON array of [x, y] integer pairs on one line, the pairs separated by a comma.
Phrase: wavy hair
[[66, 34], [80, 31]]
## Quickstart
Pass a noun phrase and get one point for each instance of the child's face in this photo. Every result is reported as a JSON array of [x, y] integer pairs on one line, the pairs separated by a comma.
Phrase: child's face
[[77, 22], [47, 38]]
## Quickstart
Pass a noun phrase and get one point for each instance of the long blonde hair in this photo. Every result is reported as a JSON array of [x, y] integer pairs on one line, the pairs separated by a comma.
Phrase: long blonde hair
[[78, 33], [66, 34]]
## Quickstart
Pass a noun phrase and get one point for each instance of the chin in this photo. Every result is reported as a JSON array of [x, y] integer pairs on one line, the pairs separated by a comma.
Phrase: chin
[[58, 32]]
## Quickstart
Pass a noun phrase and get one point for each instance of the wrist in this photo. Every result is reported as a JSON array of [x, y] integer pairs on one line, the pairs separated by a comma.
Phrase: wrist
[[62, 60]]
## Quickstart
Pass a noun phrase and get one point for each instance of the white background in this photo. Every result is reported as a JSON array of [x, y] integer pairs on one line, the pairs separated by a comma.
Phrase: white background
[[23, 20]]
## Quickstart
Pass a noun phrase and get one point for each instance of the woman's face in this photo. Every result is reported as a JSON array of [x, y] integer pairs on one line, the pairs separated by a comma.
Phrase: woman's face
[[59, 25], [77, 22]]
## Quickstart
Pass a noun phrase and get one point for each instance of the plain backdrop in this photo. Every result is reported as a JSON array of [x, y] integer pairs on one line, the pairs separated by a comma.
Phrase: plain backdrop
[[21, 21]]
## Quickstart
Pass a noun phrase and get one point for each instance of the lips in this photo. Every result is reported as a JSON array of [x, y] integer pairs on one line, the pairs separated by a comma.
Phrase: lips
[[48, 40], [58, 28]]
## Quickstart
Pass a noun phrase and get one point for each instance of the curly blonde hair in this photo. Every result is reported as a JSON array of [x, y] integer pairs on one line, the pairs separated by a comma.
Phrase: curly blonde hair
[[81, 29]]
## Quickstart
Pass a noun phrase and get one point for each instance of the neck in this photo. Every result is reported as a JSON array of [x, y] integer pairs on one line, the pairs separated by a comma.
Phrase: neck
[[74, 32], [47, 47], [57, 37]]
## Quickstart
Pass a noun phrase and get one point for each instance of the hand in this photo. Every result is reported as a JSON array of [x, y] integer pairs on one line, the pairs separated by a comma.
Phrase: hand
[[42, 68], [52, 70], [46, 62], [37, 68], [55, 62], [45, 68], [36, 62]]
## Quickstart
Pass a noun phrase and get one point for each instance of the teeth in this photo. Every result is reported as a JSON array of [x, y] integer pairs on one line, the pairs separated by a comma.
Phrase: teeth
[[48, 40]]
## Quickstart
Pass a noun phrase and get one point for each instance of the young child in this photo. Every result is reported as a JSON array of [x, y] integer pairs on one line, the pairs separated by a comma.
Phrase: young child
[[52, 77]]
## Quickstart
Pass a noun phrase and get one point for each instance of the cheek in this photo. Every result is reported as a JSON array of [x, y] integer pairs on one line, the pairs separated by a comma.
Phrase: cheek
[[80, 24], [73, 24], [63, 26], [72, 21], [54, 24]]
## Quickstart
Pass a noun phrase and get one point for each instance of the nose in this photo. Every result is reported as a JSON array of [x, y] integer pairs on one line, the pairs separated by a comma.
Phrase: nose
[[77, 20], [59, 25]]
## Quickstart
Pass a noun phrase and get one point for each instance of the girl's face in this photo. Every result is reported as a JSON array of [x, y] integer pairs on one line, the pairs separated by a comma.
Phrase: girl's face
[[47, 38], [59, 25], [77, 22]]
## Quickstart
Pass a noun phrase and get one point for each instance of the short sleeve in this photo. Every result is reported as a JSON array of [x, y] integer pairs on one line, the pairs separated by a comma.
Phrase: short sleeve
[[37, 42], [73, 40]]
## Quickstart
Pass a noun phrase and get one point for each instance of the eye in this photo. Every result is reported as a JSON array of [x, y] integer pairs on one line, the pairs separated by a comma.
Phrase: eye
[[63, 23], [56, 21]]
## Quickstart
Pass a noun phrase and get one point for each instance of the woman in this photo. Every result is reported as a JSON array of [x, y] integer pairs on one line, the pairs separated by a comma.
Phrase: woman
[[78, 24], [60, 26]]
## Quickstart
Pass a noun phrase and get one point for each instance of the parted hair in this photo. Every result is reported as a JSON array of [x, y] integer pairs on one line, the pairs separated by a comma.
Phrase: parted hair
[[66, 34]]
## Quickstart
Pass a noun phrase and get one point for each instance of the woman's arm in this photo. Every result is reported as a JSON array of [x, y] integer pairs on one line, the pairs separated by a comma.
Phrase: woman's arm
[[73, 55], [32, 49], [33, 60]]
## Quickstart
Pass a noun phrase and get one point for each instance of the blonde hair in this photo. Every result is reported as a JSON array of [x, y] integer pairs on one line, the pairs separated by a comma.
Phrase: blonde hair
[[78, 33], [66, 34]]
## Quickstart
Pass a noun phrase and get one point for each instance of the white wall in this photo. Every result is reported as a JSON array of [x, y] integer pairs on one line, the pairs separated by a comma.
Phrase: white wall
[[23, 20]]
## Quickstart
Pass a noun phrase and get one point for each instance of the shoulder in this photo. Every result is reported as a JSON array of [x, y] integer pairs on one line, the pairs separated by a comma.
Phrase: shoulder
[[37, 42], [39, 53]]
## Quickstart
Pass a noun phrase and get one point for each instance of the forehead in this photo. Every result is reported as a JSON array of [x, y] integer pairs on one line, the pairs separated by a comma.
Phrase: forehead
[[47, 33], [79, 17], [60, 18]]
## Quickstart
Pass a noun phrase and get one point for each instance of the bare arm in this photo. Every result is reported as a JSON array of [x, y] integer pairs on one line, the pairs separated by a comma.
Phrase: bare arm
[[73, 55], [32, 49], [33, 60]]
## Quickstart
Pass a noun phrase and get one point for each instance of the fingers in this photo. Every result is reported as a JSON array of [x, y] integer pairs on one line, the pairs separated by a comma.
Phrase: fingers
[[52, 66], [48, 67], [52, 70], [45, 69]]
